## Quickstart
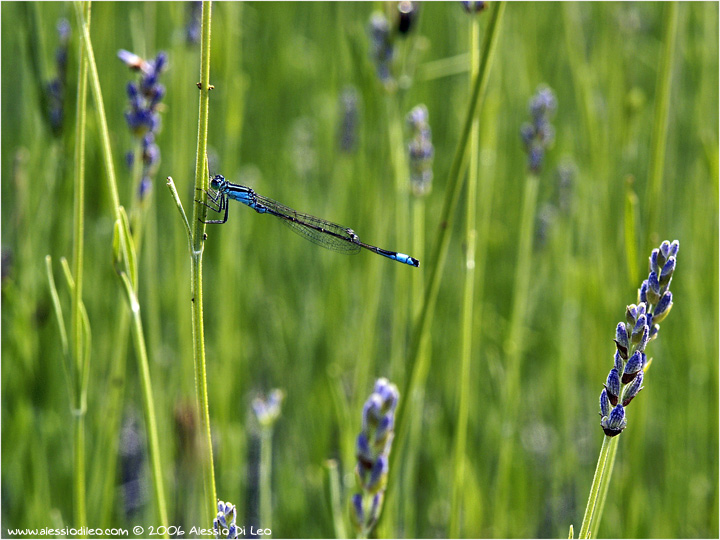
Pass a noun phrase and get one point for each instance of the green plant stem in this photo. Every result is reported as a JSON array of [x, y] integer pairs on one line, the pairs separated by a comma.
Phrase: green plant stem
[[79, 470], [467, 306], [513, 349], [660, 125], [81, 362], [437, 261], [605, 485], [265, 520], [129, 275], [198, 233], [336, 498], [601, 470], [149, 409]]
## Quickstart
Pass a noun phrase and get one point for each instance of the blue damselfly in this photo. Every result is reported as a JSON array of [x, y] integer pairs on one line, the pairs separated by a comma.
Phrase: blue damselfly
[[319, 231]]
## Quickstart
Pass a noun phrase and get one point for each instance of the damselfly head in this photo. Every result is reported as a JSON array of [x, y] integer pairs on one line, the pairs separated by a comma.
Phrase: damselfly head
[[218, 182]]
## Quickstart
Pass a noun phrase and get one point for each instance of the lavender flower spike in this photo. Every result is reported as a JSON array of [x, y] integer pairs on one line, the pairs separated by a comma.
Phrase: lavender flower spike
[[641, 326], [372, 451], [224, 524], [538, 134], [143, 113], [421, 151]]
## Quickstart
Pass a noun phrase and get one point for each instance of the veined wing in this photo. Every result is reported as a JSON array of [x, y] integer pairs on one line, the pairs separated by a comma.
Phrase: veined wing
[[319, 231]]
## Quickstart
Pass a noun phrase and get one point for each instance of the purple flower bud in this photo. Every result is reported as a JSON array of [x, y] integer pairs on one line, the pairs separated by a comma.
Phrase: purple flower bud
[[643, 339], [642, 292], [363, 453], [144, 187], [388, 393], [527, 132], [357, 513], [604, 403], [667, 272], [665, 249], [377, 478], [656, 260], [637, 331], [653, 291], [631, 314], [632, 389], [63, 29], [612, 385], [133, 94], [663, 307], [614, 423], [224, 524], [160, 62], [372, 412], [621, 340], [619, 362], [633, 366], [654, 329]]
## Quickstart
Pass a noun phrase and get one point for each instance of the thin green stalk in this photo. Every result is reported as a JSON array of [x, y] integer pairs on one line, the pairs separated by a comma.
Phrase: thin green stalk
[[592, 504], [660, 125], [149, 409], [468, 303], [129, 272], [437, 261], [79, 470], [336, 498], [265, 520], [513, 348], [198, 233], [605, 485], [77, 341]]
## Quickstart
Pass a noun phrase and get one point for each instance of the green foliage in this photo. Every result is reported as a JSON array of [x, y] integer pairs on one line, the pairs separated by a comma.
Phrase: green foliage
[[280, 312]]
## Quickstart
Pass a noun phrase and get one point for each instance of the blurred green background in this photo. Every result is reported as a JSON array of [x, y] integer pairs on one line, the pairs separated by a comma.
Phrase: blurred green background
[[282, 313]]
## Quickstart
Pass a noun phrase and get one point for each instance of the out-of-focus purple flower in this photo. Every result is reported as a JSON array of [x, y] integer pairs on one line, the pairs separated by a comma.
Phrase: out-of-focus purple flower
[[143, 112], [372, 452], [192, 25], [420, 150], [267, 410], [57, 86], [382, 49], [538, 134], [348, 120], [474, 6]]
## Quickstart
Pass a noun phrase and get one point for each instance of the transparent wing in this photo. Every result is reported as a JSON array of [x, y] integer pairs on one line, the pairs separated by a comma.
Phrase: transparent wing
[[319, 231]]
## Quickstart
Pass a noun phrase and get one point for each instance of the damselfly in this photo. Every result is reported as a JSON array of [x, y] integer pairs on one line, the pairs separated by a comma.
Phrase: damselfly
[[323, 233]]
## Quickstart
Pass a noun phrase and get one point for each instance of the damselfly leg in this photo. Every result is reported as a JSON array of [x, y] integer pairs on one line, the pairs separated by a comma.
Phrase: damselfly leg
[[217, 202]]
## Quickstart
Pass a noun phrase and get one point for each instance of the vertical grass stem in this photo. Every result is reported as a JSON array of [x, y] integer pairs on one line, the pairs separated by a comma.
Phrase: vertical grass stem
[[437, 262], [660, 124], [595, 491], [467, 306], [129, 273], [198, 233]]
